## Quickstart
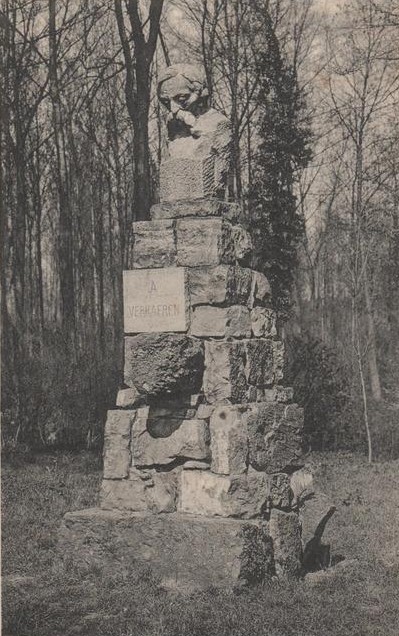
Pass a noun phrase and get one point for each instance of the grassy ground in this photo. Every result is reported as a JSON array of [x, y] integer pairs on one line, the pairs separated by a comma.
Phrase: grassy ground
[[39, 600]]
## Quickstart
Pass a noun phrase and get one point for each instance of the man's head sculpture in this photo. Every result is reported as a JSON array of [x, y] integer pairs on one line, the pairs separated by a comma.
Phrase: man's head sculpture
[[183, 87], [196, 132]]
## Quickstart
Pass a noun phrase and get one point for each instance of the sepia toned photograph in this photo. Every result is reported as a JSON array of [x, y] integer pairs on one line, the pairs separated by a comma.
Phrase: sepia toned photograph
[[200, 317]]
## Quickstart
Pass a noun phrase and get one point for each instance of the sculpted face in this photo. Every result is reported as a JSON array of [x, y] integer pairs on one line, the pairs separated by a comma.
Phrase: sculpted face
[[182, 87], [177, 93]]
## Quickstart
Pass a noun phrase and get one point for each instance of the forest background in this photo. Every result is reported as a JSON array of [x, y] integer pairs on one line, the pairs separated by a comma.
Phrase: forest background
[[311, 90]]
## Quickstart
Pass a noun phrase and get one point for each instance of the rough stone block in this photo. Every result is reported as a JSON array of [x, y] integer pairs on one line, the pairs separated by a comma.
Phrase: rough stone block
[[204, 411], [128, 398], [196, 465], [162, 491], [242, 243], [187, 553], [275, 436], [281, 495], [238, 323], [277, 393], [183, 439], [228, 322], [204, 242], [278, 360], [116, 460], [116, 451], [185, 178], [220, 285], [229, 440], [285, 394], [261, 291], [286, 535], [196, 208], [207, 321], [119, 423], [259, 366], [224, 375], [263, 322], [143, 490], [154, 244], [160, 364], [243, 496], [123, 494]]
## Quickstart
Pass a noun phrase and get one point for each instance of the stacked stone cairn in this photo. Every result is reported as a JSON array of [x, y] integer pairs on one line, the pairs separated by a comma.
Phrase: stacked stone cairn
[[202, 454]]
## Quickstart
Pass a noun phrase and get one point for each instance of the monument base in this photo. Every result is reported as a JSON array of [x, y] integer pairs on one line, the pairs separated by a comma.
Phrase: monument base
[[186, 552]]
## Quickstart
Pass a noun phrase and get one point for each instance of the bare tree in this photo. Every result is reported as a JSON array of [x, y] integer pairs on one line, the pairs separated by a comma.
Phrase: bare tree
[[138, 89]]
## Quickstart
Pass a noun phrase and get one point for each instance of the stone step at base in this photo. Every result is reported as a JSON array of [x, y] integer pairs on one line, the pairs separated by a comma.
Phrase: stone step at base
[[186, 552]]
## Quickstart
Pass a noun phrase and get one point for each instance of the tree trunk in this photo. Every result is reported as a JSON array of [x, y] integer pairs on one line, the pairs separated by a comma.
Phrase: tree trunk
[[65, 245], [141, 157]]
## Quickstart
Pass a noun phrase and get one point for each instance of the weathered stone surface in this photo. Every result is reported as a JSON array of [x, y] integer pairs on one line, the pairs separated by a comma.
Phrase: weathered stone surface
[[196, 207], [280, 492], [207, 321], [261, 291], [116, 451], [143, 490], [238, 323], [162, 491], [263, 322], [242, 243], [260, 367], [281, 495], [154, 244], [244, 496], [204, 411], [187, 553], [159, 364], [204, 242], [224, 375], [123, 494], [187, 178], [116, 459], [286, 535], [119, 423], [155, 300], [275, 435], [228, 322], [278, 360], [229, 440], [128, 398], [196, 465], [277, 393], [285, 394], [221, 284], [185, 439]]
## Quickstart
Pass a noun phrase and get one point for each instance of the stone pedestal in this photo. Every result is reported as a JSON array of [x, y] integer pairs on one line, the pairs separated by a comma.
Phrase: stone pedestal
[[186, 552], [201, 450]]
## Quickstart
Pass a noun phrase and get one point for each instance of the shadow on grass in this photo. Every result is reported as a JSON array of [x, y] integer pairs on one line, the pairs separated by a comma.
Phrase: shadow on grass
[[131, 603], [48, 601]]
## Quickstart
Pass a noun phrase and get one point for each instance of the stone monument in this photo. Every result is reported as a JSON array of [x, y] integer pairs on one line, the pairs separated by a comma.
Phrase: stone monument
[[202, 454]]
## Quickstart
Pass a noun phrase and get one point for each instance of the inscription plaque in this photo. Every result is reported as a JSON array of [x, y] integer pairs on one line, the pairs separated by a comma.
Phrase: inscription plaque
[[154, 300]]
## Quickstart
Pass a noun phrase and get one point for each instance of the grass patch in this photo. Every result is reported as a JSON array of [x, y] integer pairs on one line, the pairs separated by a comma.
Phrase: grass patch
[[360, 601], [37, 490]]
